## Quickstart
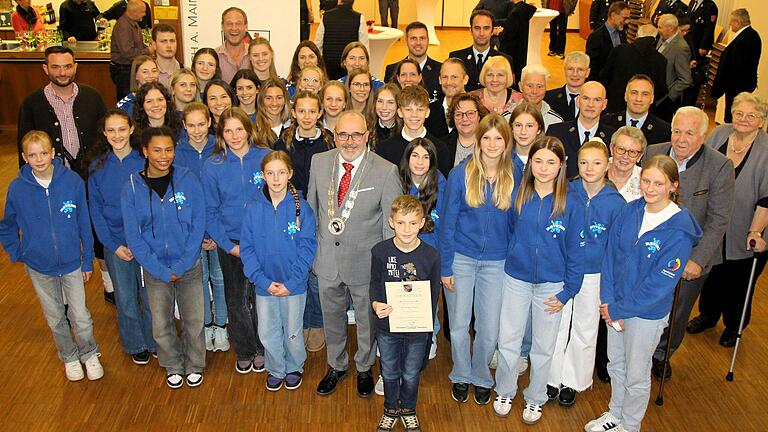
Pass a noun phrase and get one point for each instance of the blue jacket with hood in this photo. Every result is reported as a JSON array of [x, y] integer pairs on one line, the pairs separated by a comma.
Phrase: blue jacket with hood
[[431, 237], [164, 233], [273, 247], [599, 213], [229, 184], [188, 156], [546, 248], [56, 237], [639, 275], [104, 188]]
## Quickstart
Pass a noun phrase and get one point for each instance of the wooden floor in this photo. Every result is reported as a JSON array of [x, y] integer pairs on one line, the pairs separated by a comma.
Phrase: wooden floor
[[35, 395]]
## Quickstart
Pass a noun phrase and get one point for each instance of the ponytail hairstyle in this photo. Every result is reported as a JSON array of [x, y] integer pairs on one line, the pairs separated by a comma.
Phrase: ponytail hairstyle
[[245, 74], [263, 41], [373, 123], [289, 134], [100, 149], [668, 167], [238, 114], [135, 65], [316, 69], [560, 189], [284, 158], [475, 167], [398, 68], [293, 74], [265, 136], [597, 144], [369, 110], [428, 187]]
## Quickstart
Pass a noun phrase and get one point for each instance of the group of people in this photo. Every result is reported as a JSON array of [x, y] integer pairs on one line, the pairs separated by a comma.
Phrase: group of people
[[267, 211]]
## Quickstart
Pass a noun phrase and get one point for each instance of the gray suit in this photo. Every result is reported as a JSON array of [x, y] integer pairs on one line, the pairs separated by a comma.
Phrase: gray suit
[[678, 55], [706, 190], [343, 262]]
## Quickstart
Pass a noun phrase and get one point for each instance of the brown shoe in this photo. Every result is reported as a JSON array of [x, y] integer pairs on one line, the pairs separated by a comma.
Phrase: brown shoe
[[315, 340]]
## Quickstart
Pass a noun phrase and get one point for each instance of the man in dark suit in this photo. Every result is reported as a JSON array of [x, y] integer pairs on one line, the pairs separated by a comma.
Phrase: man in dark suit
[[674, 7], [603, 39], [737, 71], [574, 133], [598, 12], [627, 60], [639, 98], [703, 15], [417, 40], [563, 99], [513, 41], [453, 79], [481, 26], [675, 49]]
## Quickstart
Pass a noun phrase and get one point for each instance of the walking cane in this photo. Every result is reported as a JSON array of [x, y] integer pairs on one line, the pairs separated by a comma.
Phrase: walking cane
[[660, 397], [729, 375]]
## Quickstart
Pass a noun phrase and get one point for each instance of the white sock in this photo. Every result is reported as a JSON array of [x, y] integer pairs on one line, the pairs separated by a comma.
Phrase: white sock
[[107, 281]]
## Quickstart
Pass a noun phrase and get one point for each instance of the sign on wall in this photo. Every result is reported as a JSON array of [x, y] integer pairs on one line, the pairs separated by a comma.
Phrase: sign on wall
[[201, 26]]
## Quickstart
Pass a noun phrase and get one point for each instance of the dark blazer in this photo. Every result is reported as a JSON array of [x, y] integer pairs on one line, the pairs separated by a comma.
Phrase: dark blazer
[[514, 39], [430, 74], [393, 148], [599, 45], [626, 60], [598, 12], [655, 129], [676, 8], [568, 133], [737, 71], [703, 21], [436, 123], [557, 99], [467, 56]]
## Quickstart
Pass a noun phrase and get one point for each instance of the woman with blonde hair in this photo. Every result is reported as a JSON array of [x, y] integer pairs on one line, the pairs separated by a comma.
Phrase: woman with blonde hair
[[497, 95]]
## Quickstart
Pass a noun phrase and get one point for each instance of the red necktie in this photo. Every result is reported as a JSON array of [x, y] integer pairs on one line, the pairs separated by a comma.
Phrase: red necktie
[[345, 180]]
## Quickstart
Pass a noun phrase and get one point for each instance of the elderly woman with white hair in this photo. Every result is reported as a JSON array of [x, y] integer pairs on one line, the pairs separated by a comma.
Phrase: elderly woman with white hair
[[496, 95], [745, 143]]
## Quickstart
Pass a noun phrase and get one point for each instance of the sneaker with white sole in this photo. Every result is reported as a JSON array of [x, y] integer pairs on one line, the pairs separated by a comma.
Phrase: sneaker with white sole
[[93, 367], [220, 339], [531, 413], [379, 387], [410, 421], [74, 370], [351, 317], [174, 381], [606, 422], [522, 365], [209, 335], [388, 421], [194, 379], [494, 360], [502, 405]]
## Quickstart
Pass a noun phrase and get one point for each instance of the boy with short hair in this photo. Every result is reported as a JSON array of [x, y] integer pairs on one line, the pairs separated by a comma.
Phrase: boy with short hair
[[46, 226], [413, 108], [402, 258]]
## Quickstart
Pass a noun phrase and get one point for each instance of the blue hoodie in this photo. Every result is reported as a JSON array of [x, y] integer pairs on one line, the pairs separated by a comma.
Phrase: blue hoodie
[[164, 234], [126, 104], [545, 248], [431, 238], [188, 156], [229, 183], [104, 188], [479, 233], [273, 248], [639, 275], [54, 222], [599, 215]]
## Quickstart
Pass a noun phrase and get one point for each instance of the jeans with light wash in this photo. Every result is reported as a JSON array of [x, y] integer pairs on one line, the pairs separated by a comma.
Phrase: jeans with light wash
[[525, 349], [134, 319], [241, 308], [281, 332], [519, 300], [476, 282], [50, 291], [313, 313], [629, 366], [402, 358], [212, 272], [183, 355]]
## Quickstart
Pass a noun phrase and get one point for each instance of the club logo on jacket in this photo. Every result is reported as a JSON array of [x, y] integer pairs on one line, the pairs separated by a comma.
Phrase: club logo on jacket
[[555, 227], [257, 179], [68, 208], [653, 246], [597, 228], [672, 266], [178, 199], [434, 215], [292, 229]]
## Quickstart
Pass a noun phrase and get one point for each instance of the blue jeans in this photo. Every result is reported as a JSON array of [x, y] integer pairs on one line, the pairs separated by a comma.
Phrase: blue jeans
[[520, 300], [402, 358], [629, 355], [313, 313], [134, 319], [51, 291], [525, 349], [212, 272], [280, 330], [479, 283]]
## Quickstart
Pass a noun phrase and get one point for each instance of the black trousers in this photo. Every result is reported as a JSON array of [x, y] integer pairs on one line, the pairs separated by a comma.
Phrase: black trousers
[[121, 76], [726, 288], [557, 29]]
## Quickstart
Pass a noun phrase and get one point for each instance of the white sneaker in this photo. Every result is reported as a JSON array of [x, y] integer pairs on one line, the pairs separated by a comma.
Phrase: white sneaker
[[522, 365], [606, 422], [93, 367], [379, 388], [220, 339], [351, 317], [74, 370], [209, 334], [531, 413], [433, 350], [494, 360], [176, 311], [502, 406]]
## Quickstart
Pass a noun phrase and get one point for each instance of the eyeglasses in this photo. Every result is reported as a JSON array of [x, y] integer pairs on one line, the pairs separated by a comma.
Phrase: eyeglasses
[[469, 115], [360, 85], [343, 137], [619, 150], [750, 117]]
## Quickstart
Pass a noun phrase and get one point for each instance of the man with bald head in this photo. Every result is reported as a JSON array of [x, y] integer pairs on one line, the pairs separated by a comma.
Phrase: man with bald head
[[350, 190], [591, 103], [678, 54]]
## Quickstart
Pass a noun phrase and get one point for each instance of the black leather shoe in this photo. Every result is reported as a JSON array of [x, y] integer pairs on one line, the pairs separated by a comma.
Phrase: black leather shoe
[[699, 324], [728, 338], [602, 373], [330, 381], [460, 392], [567, 396], [109, 297], [657, 368], [552, 392], [365, 384], [482, 395]]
